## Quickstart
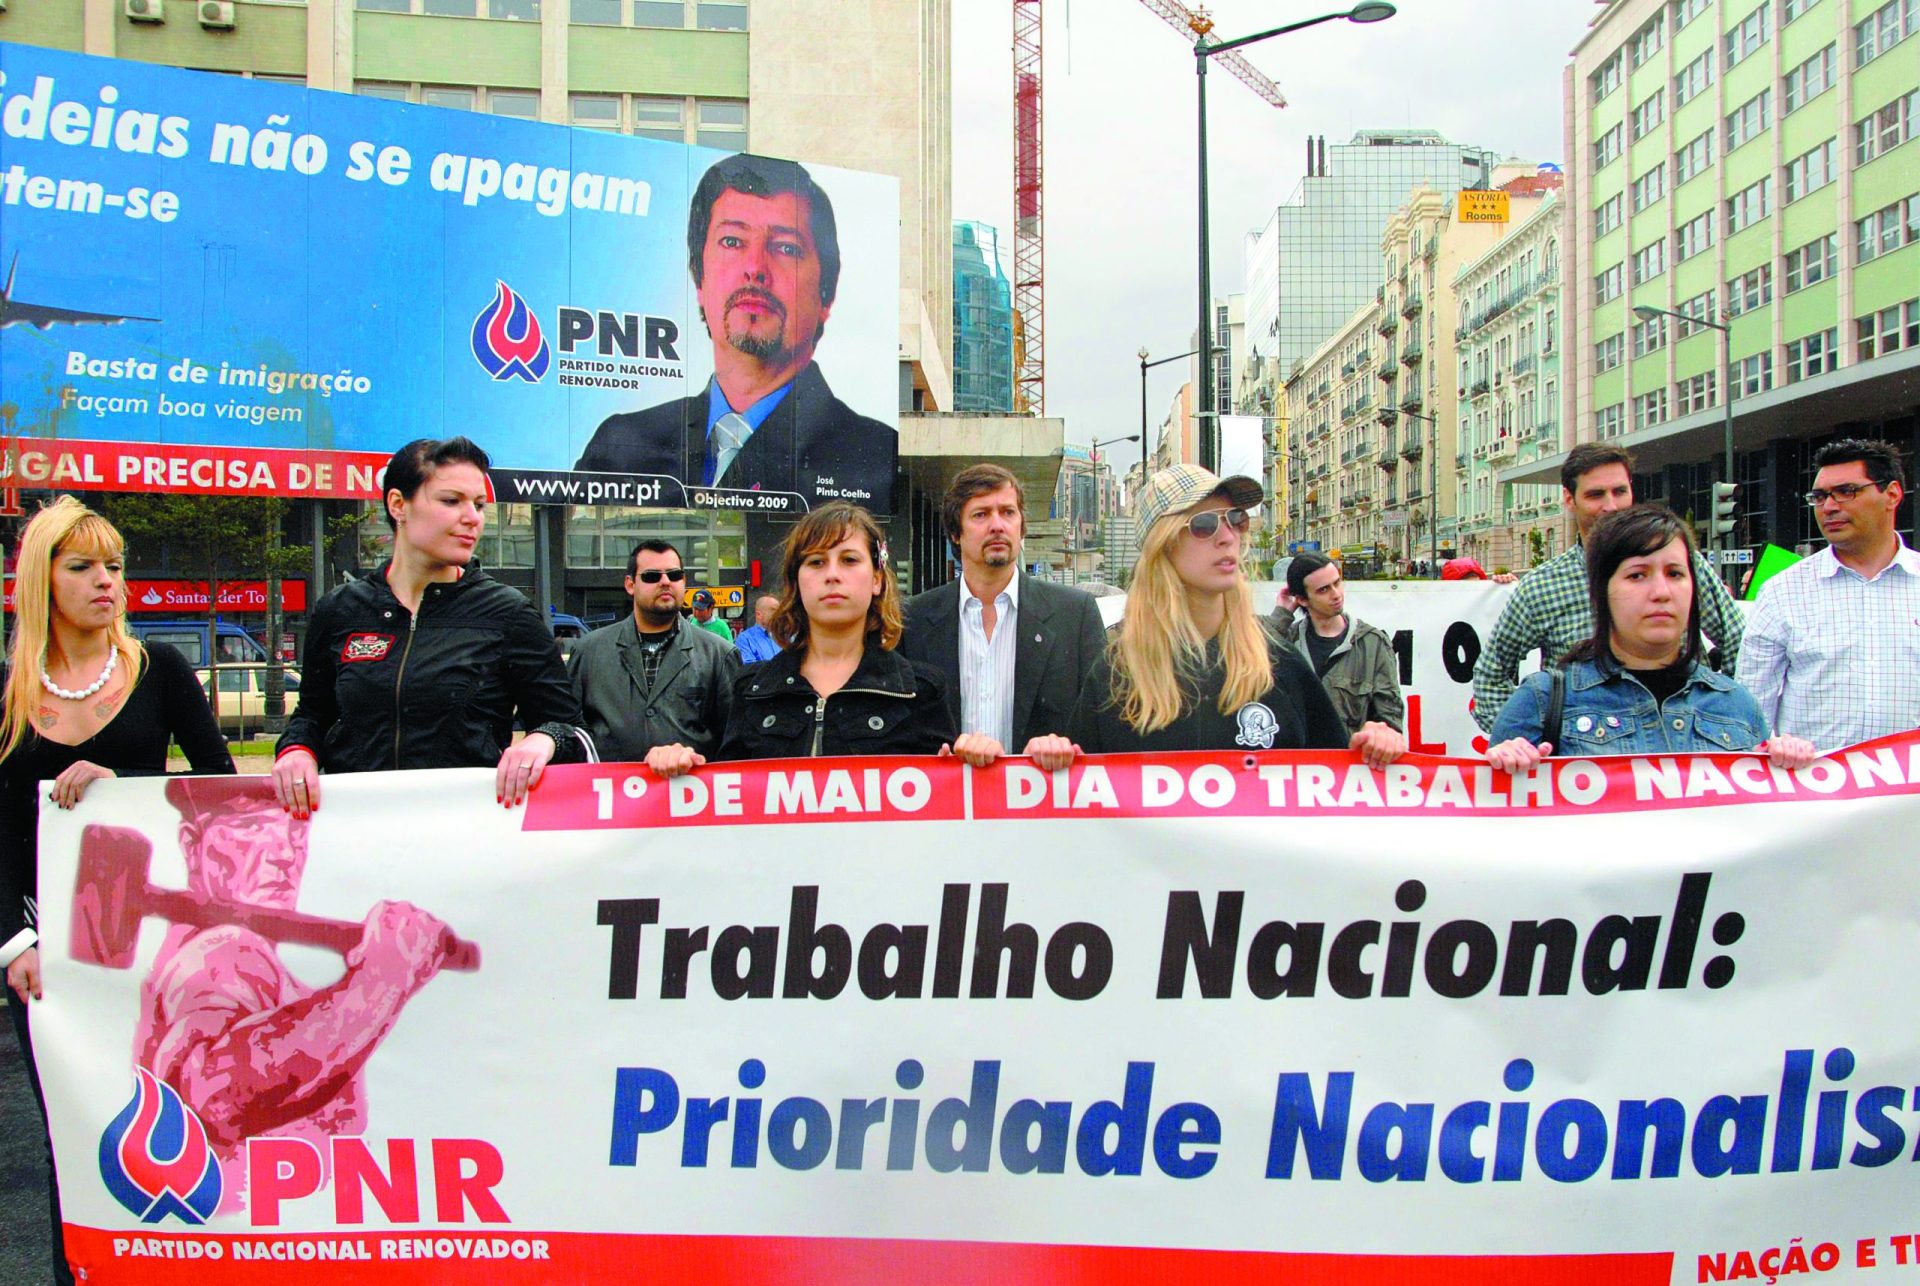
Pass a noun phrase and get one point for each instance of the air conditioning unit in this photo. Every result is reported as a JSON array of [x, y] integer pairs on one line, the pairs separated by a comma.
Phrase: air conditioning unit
[[216, 15], [147, 10]]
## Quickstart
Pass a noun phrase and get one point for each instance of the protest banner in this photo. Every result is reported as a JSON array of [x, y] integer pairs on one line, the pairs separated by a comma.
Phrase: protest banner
[[1231, 1018], [236, 287]]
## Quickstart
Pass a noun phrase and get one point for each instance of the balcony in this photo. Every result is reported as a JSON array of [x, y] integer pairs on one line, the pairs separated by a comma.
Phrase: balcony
[[1388, 459], [1414, 350], [1500, 449], [1411, 446], [1346, 368], [1412, 305], [1389, 416], [1411, 402], [1388, 324], [1481, 388], [1380, 295], [1364, 360], [1432, 249], [1525, 365], [1360, 499], [1547, 432]]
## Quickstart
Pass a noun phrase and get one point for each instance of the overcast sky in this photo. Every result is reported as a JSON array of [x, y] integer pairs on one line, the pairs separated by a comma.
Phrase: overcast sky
[[1121, 255]]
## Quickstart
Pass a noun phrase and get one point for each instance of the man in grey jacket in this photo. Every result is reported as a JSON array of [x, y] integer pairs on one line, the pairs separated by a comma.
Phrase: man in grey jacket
[[651, 679], [1354, 660]]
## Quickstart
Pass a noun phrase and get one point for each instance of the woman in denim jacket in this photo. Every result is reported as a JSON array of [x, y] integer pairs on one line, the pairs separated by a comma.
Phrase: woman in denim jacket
[[1639, 685]]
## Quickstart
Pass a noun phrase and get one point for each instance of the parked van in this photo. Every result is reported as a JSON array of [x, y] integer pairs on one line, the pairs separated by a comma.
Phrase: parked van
[[243, 695], [190, 639]]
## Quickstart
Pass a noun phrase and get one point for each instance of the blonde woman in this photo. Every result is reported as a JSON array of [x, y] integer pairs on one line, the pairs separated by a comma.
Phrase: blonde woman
[[83, 700], [1192, 667]]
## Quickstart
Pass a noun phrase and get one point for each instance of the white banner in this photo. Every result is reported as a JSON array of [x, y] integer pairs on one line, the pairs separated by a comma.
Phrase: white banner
[[1222, 1017]]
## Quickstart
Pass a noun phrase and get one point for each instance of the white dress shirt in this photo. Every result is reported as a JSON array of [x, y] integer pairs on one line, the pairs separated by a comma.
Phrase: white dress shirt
[[1835, 657], [986, 666]]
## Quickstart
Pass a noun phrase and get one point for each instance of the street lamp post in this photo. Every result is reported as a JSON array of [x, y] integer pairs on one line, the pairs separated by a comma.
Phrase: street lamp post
[[1144, 366], [1367, 11], [1433, 483], [1646, 313]]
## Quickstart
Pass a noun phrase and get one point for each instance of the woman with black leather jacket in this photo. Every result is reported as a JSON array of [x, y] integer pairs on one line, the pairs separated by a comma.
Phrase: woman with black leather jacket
[[838, 687], [429, 662]]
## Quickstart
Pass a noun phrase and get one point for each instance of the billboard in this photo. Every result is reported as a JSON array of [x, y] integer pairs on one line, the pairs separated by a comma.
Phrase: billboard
[[236, 287]]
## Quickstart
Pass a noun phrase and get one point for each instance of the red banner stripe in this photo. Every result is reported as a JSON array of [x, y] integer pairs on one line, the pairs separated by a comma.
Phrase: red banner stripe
[[805, 1261]]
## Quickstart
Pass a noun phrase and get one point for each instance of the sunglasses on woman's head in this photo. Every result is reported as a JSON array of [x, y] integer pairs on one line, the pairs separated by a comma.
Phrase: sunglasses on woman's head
[[653, 574], [1205, 523]]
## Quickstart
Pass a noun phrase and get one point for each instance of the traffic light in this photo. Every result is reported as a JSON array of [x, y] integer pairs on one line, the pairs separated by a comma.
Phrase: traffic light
[[1726, 500]]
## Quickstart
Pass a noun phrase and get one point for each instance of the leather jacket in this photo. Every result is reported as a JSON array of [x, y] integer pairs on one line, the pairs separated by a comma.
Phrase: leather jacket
[[687, 703], [889, 706], [383, 688]]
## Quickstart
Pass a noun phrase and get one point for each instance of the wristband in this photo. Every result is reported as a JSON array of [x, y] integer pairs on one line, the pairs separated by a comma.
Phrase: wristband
[[18, 945]]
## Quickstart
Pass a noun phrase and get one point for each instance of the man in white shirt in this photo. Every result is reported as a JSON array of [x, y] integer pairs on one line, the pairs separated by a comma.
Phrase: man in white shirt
[[1832, 651], [1015, 648]]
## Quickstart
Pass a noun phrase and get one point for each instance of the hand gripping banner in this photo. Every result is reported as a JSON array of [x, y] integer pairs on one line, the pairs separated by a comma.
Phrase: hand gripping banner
[[1222, 1018]]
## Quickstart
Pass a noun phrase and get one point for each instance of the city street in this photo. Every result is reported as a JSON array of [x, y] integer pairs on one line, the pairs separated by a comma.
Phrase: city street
[[24, 1255]]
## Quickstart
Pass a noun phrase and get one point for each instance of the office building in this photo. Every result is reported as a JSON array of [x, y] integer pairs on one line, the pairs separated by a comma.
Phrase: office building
[[982, 323]]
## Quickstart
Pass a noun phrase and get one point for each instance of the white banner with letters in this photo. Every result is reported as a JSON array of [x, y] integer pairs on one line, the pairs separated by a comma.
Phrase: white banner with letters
[[1231, 1018]]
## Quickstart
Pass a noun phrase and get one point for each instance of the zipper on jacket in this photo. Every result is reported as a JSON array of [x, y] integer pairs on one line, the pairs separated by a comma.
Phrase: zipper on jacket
[[401, 673], [820, 713]]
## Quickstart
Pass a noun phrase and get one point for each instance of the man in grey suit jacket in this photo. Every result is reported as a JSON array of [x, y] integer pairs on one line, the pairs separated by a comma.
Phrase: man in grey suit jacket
[[651, 679], [1014, 648]]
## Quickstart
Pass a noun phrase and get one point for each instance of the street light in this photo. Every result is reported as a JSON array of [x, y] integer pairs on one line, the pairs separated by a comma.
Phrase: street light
[[1144, 364], [1368, 11], [1433, 483], [1647, 313]]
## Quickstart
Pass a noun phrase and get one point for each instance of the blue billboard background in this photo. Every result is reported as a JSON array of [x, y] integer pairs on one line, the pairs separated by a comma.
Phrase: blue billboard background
[[200, 259]]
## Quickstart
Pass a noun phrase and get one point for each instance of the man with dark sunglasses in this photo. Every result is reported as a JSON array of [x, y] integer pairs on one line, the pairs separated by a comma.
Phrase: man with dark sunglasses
[[648, 680], [1833, 646]]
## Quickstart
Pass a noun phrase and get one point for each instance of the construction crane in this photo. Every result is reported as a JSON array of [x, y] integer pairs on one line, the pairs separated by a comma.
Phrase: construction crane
[[1029, 241], [1197, 23]]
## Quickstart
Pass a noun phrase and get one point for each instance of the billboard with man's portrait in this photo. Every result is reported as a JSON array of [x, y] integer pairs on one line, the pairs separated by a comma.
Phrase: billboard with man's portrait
[[233, 287]]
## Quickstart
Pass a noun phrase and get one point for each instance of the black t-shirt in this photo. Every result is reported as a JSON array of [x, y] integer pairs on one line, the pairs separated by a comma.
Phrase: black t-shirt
[[1295, 713], [1664, 682], [1324, 648]]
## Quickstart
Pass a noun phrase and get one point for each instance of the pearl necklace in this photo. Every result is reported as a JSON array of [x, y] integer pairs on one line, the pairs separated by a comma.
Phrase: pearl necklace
[[113, 659]]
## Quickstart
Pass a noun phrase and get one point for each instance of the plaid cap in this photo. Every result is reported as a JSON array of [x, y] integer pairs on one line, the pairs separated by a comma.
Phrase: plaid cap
[[1180, 488]]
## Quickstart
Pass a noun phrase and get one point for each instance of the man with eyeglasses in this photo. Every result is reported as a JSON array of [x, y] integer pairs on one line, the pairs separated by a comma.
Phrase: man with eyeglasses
[[1549, 610], [648, 679], [1833, 646]]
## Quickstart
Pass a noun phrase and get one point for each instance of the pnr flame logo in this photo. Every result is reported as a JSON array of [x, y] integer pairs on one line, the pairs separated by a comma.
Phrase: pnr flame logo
[[154, 1156], [506, 338]]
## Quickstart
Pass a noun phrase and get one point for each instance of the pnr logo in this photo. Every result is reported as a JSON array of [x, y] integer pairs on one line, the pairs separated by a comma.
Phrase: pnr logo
[[506, 338], [154, 1156]]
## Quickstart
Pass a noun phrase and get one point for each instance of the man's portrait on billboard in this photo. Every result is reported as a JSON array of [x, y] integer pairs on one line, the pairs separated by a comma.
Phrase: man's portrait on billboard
[[763, 249]]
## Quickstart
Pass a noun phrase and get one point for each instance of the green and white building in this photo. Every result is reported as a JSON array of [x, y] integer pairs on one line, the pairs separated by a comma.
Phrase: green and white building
[[1751, 161]]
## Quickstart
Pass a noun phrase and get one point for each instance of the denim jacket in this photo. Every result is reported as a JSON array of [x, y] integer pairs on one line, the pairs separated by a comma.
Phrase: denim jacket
[[1609, 712]]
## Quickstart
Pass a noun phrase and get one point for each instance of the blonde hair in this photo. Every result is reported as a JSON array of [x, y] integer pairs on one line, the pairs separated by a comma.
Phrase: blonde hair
[[1158, 655], [65, 526]]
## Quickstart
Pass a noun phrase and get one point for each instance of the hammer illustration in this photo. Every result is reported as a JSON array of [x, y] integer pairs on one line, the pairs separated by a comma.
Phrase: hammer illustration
[[111, 896]]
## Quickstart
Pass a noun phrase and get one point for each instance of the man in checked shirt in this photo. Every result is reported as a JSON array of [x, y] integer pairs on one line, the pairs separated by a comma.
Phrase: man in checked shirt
[[1549, 610], [1833, 647]]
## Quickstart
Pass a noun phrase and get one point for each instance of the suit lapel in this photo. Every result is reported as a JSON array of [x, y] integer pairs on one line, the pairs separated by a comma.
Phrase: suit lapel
[[1031, 648], [943, 628], [629, 651], [679, 654]]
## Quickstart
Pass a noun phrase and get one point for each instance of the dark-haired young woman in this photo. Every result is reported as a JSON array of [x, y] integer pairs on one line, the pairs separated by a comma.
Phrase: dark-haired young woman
[[1640, 684], [429, 662]]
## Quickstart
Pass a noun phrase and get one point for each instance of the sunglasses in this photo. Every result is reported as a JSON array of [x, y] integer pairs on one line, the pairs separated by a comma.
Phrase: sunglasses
[[653, 575], [1205, 523]]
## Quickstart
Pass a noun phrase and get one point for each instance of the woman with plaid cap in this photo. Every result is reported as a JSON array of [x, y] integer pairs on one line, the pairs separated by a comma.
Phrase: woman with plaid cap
[[1192, 667]]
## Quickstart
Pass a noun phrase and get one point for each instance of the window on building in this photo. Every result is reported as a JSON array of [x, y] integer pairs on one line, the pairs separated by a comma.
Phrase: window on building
[[1692, 237], [1607, 216], [1887, 331], [1696, 393], [595, 111], [447, 96], [1813, 355], [1887, 229], [1749, 205], [1650, 187], [1607, 420], [1695, 158], [1606, 148], [516, 10], [722, 124], [1607, 354], [1746, 38], [1807, 82], [601, 13], [1685, 11], [1694, 313], [1649, 336], [1791, 9], [1650, 409], [1649, 114], [1810, 171], [1884, 28], [720, 15], [1546, 339], [381, 89], [1694, 79], [521, 104], [450, 8], [1879, 132], [1746, 122], [1649, 261], [1648, 41], [1750, 375], [1606, 78], [1810, 264], [661, 118], [1750, 291], [1608, 285]]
